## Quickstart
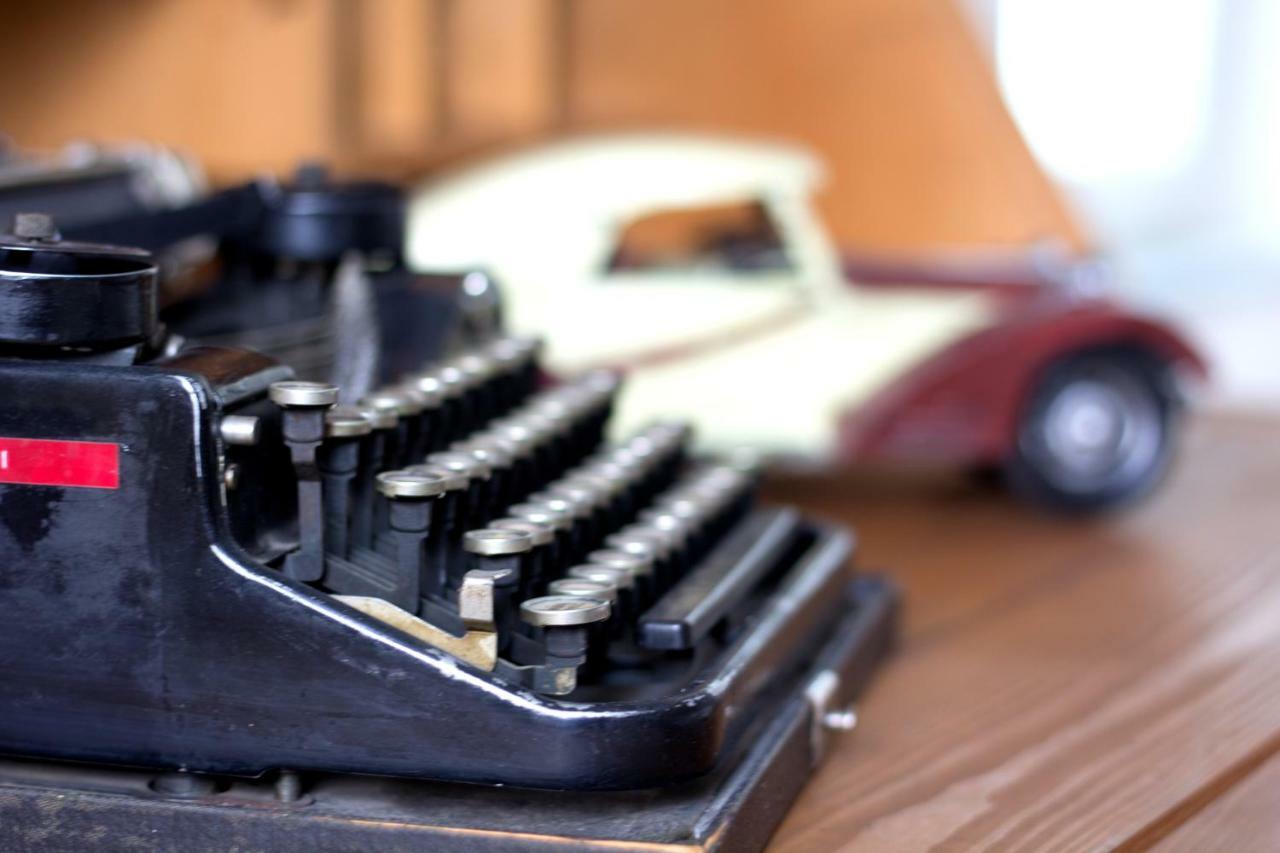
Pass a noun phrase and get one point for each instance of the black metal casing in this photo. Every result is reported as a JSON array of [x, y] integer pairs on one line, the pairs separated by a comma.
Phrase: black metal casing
[[136, 621]]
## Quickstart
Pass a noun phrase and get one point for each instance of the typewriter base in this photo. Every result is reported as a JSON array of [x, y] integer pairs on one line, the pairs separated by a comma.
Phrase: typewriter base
[[56, 807]]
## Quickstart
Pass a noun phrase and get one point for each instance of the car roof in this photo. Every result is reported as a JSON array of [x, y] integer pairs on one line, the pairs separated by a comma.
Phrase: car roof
[[587, 183], [630, 170]]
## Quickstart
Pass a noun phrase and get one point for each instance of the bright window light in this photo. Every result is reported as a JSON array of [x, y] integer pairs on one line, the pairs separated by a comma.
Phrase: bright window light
[[1107, 89]]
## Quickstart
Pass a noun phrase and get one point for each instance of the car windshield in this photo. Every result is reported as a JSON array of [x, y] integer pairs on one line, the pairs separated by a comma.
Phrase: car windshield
[[739, 237]]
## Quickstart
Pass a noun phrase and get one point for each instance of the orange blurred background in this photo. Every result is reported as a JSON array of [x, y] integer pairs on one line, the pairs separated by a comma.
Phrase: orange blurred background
[[896, 95]]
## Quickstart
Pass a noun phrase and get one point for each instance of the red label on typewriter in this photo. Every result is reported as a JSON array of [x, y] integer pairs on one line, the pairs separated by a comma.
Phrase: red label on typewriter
[[40, 462]]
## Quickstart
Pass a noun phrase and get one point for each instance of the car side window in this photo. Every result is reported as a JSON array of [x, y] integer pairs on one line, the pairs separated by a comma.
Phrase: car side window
[[740, 238]]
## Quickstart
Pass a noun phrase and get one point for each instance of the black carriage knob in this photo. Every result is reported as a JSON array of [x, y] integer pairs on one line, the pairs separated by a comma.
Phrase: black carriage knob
[[316, 218], [58, 295]]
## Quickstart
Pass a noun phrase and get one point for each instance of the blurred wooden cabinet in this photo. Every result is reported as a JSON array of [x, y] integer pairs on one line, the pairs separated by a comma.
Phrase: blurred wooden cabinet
[[253, 85], [895, 94]]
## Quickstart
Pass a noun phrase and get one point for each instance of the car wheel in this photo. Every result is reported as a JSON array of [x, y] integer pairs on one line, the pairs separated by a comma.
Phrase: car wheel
[[1096, 432]]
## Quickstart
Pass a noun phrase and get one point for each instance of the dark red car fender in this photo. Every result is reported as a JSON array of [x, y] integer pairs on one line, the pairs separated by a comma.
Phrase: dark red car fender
[[961, 405]]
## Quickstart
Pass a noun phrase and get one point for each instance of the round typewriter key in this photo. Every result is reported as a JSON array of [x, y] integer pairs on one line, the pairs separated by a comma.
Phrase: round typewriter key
[[346, 422], [558, 611], [378, 418], [648, 543], [293, 392], [558, 517], [430, 385], [409, 484], [618, 578], [670, 543], [463, 463], [394, 400], [515, 349], [385, 410], [579, 588], [578, 504], [540, 533], [514, 430], [421, 399], [409, 519], [493, 453], [683, 507], [603, 487], [507, 353], [628, 544], [453, 379], [553, 409], [490, 542], [626, 605], [453, 481], [539, 562], [667, 522], [638, 565], [475, 366], [542, 428], [518, 448], [603, 382], [660, 541], [577, 492]]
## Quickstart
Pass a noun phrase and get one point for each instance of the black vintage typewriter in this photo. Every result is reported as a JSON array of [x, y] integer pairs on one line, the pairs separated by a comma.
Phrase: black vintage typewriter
[[247, 607]]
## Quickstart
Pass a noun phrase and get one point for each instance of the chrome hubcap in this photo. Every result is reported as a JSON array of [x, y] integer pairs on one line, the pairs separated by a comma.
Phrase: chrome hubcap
[[1098, 431]]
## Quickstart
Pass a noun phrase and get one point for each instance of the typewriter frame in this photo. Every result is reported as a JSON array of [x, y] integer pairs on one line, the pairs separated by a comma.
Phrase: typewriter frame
[[162, 629], [735, 807]]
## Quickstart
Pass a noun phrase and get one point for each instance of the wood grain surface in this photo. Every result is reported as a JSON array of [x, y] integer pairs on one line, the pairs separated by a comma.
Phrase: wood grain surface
[[1067, 684]]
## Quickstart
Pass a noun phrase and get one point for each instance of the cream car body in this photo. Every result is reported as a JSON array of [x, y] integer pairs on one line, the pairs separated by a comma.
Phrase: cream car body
[[767, 358]]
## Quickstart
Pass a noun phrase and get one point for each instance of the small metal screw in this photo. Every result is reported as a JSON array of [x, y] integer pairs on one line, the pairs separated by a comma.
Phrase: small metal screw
[[842, 720], [241, 430], [183, 785], [35, 226], [288, 786]]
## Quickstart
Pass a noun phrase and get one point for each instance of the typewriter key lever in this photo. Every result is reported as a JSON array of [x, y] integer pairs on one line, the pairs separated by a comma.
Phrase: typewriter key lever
[[564, 620], [303, 426], [410, 495]]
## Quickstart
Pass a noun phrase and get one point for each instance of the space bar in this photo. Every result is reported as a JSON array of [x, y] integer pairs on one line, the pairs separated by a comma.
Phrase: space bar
[[723, 579]]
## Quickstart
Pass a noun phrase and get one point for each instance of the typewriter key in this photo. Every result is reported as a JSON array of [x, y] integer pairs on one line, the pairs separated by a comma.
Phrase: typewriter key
[[443, 555], [563, 611], [639, 566], [347, 422], [491, 542], [620, 579], [490, 549], [581, 588], [542, 534], [392, 442], [626, 605], [303, 425], [559, 518], [565, 622], [339, 460], [410, 519], [409, 484], [298, 394]]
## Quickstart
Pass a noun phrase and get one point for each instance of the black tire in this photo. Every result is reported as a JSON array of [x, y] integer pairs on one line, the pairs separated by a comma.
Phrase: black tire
[[1095, 433]]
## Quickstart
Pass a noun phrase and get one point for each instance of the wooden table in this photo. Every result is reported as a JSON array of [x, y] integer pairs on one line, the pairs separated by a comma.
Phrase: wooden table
[[1068, 684]]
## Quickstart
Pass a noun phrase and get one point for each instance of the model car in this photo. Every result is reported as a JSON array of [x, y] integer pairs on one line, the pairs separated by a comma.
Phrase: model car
[[700, 267]]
